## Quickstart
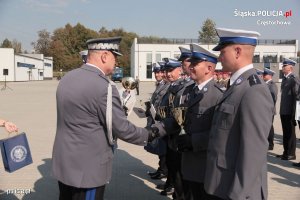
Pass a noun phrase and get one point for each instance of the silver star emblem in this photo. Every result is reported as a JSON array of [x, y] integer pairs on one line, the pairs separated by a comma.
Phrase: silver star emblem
[[254, 79]]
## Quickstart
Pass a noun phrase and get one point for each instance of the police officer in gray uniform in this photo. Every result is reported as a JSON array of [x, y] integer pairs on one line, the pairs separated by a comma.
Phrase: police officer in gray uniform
[[160, 146], [267, 76], [172, 100], [201, 99], [289, 92], [237, 151], [86, 105]]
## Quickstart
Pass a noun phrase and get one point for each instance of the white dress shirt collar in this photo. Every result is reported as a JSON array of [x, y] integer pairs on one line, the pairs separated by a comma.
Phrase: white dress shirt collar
[[239, 72], [89, 64], [201, 85]]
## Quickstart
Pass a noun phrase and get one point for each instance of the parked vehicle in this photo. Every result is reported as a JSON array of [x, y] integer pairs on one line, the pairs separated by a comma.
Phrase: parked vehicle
[[117, 75]]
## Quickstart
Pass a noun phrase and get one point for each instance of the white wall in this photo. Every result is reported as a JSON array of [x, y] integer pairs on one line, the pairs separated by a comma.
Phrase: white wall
[[7, 62], [48, 68], [26, 73], [139, 54]]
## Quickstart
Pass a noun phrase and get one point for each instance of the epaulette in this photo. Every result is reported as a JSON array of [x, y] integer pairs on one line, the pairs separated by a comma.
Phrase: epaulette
[[254, 80], [219, 88]]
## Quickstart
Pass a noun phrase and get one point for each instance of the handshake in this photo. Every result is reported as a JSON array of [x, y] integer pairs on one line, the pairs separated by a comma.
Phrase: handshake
[[160, 129], [153, 133]]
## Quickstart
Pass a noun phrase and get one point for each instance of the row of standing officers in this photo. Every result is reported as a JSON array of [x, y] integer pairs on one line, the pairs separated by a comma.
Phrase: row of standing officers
[[228, 128], [216, 139]]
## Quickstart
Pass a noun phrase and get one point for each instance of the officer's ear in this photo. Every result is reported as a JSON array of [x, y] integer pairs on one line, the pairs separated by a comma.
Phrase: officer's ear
[[104, 56], [238, 51]]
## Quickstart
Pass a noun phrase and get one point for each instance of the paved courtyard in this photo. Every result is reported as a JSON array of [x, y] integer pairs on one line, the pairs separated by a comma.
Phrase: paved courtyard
[[31, 105]]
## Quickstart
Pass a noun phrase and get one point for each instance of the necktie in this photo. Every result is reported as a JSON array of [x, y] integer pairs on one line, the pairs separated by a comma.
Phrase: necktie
[[228, 85], [196, 91]]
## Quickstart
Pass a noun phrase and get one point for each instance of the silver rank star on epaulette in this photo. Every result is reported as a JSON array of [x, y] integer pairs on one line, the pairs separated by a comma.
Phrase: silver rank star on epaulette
[[205, 89], [254, 80]]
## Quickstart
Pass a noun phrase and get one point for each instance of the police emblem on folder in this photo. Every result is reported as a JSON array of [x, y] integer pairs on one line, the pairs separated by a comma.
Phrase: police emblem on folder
[[15, 152]]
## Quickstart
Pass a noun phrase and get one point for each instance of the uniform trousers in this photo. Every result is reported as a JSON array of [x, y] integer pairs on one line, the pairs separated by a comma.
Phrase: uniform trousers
[[196, 189], [271, 135], [289, 136], [162, 166], [174, 172], [67, 192]]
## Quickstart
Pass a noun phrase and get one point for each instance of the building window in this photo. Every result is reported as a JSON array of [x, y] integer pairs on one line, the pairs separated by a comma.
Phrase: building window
[[256, 58], [149, 66], [270, 58], [48, 65], [157, 57], [19, 64]]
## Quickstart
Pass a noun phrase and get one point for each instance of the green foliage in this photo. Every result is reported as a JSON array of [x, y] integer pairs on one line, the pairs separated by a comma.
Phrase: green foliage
[[208, 33], [65, 43], [6, 43], [43, 43], [17, 46]]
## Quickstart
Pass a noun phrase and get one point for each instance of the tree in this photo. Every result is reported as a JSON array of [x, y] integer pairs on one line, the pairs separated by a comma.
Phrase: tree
[[17, 46], [6, 43], [125, 45], [208, 33], [43, 43], [66, 44]]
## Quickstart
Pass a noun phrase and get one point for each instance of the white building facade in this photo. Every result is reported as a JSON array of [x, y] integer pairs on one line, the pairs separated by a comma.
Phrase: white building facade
[[24, 67], [268, 53]]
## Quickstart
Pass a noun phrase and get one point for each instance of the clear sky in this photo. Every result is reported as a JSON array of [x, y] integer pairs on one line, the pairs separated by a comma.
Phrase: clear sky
[[22, 19]]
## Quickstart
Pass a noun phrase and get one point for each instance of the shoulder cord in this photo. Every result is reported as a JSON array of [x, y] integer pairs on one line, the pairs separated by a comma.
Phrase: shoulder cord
[[109, 115]]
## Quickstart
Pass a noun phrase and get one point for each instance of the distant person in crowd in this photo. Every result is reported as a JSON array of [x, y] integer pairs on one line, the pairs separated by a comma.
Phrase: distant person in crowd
[[226, 77], [184, 58], [83, 55], [219, 78], [238, 143], [173, 99], [259, 73], [137, 85], [89, 119], [160, 90], [9, 126], [289, 92], [215, 76], [267, 76], [201, 99]]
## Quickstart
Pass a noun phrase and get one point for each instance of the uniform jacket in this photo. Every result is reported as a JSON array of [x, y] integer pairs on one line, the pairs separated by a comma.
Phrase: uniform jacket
[[176, 99], [197, 125], [237, 150], [158, 94], [82, 156], [289, 92], [274, 91]]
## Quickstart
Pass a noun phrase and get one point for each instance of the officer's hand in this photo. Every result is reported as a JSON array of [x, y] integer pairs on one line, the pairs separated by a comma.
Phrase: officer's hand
[[171, 126], [125, 110], [184, 143], [153, 133], [148, 105], [294, 123], [147, 113]]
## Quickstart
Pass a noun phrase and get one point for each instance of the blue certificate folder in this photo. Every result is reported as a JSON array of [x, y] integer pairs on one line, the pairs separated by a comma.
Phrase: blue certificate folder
[[15, 152]]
